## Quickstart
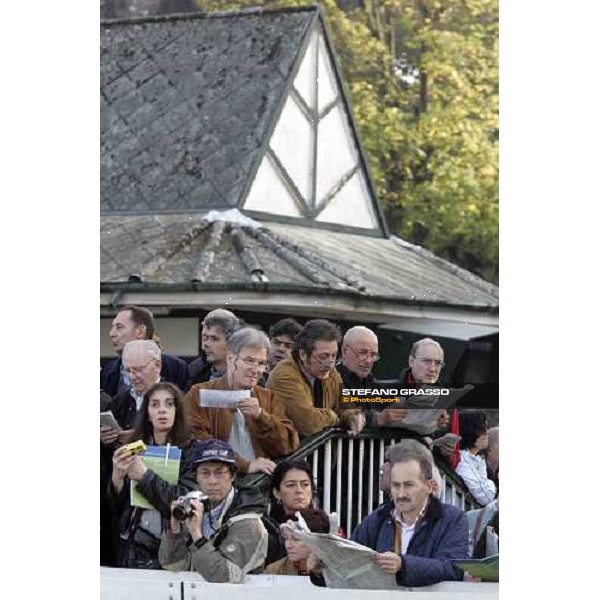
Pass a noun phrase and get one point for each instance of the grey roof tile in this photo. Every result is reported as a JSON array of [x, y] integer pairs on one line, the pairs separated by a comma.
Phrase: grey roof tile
[[190, 88], [171, 249]]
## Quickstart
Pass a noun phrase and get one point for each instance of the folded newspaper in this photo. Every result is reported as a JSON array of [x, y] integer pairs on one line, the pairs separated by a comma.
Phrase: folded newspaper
[[221, 398], [426, 410], [346, 563], [487, 569]]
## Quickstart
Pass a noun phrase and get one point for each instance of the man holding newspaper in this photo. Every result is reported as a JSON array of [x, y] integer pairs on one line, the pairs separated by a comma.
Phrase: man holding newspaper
[[235, 409], [412, 540]]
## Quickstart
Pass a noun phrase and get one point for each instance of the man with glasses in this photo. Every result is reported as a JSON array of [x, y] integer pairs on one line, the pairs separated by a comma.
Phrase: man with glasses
[[228, 538], [360, 352], [258, 429], [425, 363], [142, 363], [309, 385]]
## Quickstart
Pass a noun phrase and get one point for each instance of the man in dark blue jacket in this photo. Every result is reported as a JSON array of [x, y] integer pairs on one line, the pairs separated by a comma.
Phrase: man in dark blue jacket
[[416, 536], [137, 323]]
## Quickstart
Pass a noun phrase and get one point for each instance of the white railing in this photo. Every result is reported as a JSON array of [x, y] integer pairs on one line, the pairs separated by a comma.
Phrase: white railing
[[346, 478], [134, 584]]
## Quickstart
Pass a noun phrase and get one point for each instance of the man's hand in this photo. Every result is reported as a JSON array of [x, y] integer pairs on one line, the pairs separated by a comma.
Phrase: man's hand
[[443, 420], [261, 465], [136, 469], [390, 416], [175, 523], [447, 444], [108, 435], [125, 435], [357, 423], [389, 562], [194, 523], [249, 407], [121, 463]]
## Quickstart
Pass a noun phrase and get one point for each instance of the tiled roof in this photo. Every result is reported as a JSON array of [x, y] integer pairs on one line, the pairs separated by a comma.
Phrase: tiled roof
[[186, 104], [169, 249]]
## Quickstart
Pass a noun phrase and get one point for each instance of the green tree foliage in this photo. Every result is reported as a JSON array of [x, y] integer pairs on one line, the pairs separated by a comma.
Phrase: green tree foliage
[[423, 82]]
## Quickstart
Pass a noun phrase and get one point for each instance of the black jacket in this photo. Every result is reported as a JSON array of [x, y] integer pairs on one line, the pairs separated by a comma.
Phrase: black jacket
[[174, 370], [138, 548]]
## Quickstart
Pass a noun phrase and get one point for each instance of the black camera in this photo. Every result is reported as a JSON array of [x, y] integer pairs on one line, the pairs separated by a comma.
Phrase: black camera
[[183, 509]]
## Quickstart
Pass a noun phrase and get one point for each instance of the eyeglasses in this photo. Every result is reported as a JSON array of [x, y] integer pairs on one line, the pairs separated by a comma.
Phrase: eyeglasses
[[252, 362], [136, 370], [365, 354], [325, 359], [439, 364], [219, 473]]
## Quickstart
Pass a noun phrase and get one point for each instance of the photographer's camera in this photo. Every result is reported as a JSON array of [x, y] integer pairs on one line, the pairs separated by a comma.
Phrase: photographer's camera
[[183, 509]]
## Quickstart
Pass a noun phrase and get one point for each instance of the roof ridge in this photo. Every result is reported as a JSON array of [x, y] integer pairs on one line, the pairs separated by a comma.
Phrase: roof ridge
[[218, 14]]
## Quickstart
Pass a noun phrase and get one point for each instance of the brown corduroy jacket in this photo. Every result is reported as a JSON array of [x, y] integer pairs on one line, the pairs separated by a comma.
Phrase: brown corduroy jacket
[[272, 433], [282, 567], [295, 393]]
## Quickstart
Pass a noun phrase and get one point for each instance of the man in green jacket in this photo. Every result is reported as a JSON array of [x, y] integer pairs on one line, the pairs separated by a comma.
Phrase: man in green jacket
[[228, 538]]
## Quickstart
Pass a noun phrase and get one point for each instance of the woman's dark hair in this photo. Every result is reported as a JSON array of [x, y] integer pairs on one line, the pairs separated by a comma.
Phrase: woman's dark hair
[[472, 423], [316, 519], [277, 512], [179, 435]]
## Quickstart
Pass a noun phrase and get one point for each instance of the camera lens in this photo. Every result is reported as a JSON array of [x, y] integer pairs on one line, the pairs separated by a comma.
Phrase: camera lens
[[179, 512]]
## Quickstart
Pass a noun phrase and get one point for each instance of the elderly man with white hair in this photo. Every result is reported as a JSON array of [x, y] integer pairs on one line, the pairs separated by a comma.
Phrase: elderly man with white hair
[[258, 428], [142, 362]]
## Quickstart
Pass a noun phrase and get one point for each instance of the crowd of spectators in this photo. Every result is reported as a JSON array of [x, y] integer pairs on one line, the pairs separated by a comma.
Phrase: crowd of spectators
[[289, 383]]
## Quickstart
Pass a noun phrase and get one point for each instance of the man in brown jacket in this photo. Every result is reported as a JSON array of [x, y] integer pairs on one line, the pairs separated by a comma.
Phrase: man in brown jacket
[[309, 385], [258, 428]]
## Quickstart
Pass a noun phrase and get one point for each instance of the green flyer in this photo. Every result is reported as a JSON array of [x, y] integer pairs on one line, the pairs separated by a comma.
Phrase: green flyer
[[166, 466]]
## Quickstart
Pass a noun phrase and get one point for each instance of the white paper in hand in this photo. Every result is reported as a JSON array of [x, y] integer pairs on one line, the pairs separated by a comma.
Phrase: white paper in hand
[[107, 419], [222, 398]]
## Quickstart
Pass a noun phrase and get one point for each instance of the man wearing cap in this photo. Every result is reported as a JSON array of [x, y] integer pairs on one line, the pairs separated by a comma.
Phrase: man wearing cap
[[229, 540]]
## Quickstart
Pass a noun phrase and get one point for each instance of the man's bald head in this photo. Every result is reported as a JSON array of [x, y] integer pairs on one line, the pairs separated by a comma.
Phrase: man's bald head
[[360, 350], [426, 360]]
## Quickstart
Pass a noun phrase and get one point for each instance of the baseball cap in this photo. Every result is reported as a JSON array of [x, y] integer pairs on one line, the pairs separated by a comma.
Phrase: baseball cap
[[212, 450]]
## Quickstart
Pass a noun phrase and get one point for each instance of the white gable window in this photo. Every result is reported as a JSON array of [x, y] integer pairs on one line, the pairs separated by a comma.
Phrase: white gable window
[[306, 79], [351, 205], [292, 143], [312, 168], [270, 194]]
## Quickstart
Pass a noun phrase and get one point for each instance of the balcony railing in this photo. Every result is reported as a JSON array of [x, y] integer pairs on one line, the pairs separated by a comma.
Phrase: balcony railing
[[346, 473]]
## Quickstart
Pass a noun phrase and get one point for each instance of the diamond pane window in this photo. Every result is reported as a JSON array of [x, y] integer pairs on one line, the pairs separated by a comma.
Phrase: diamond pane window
[[292, 143], [351, 205], [269, 193], [306, 79], [327, 84], [336, 153]]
